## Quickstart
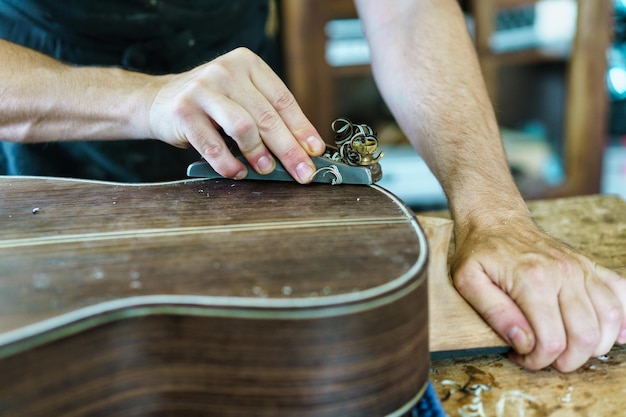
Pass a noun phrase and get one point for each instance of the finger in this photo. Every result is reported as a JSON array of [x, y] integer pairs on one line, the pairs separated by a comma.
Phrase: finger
[[495, 307], [581, 325], [245, 79], [539, 302], [256, 126], [617, 285], [277, 137], [202, 135], [609, 312], [237, 123]]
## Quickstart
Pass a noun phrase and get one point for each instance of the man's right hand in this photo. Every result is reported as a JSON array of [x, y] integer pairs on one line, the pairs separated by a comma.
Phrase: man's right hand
[[240, 94]]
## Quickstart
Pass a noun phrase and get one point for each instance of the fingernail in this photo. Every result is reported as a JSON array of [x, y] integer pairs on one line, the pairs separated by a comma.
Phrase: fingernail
[[241, 174], [316, 145], [265, 164], [304, 171], [518, 339]]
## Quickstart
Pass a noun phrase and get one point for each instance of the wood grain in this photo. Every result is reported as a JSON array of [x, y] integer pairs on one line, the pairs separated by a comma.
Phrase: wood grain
[[596, 389], [209, 298]]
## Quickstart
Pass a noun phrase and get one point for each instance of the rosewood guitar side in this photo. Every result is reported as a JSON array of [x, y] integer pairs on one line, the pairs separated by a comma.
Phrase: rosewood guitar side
[[209, 298]]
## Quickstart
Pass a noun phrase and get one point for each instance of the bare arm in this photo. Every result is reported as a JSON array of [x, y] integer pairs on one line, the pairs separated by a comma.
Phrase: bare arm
[[450, 120], [42, 99], [553, 305]]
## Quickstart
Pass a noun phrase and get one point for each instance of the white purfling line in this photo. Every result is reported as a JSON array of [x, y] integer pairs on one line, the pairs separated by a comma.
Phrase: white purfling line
[[90, 316], [129, 234]]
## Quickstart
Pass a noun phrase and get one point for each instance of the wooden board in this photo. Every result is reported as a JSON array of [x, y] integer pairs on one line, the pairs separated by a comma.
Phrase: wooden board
[[209, 298], [595, 225]]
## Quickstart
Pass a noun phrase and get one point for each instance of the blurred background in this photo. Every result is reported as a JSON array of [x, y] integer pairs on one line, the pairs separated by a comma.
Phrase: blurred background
[[561, 104]]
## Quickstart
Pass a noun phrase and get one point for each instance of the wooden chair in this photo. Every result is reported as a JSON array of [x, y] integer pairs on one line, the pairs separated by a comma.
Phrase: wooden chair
[[587, 101]]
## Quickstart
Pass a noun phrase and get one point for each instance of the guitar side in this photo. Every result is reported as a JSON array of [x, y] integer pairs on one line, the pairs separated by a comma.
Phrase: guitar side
[[203, 298]]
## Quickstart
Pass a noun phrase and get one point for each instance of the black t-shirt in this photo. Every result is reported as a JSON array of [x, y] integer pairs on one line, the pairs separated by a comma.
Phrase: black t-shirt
[[152, 36]]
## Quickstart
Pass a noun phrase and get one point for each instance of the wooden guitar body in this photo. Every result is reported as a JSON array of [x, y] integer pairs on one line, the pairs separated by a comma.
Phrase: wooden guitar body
[[209, 298]]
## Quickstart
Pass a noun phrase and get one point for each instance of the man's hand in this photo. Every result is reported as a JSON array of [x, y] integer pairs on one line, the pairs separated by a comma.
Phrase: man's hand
[[550, 303], [237, 93], [240, 94]]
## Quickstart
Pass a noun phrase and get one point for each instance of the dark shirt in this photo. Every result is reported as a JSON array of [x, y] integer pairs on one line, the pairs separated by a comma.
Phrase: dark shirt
[[152, 36]]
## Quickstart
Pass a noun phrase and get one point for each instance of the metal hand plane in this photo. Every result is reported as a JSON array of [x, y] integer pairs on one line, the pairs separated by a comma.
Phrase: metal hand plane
[[327, 171], [353, 161]]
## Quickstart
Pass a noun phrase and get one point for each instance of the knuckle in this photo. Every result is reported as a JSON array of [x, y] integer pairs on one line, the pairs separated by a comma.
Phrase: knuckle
[[268, 121], [555, 347], [251, 148], [494, 314], [587, 339], [461, 281], [535, 275], [193, 84], [463, 277], [566, 267], [217, 71], [284, 100], [613, 314], [242, 52], [212, 150], [293, 154], [182, 108], [235, 58], [242, 127]]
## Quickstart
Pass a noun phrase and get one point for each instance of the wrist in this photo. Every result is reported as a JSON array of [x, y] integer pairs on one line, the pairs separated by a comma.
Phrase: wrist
[[490, 214], [121, 100], [136, 95]]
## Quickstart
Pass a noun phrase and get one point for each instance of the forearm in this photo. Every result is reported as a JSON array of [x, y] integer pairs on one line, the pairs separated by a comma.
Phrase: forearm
[[42, 99], [425, 66], [551, 304]]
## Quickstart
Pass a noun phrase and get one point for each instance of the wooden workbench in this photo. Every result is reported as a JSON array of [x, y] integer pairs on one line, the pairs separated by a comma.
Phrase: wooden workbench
[[491, 385]]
